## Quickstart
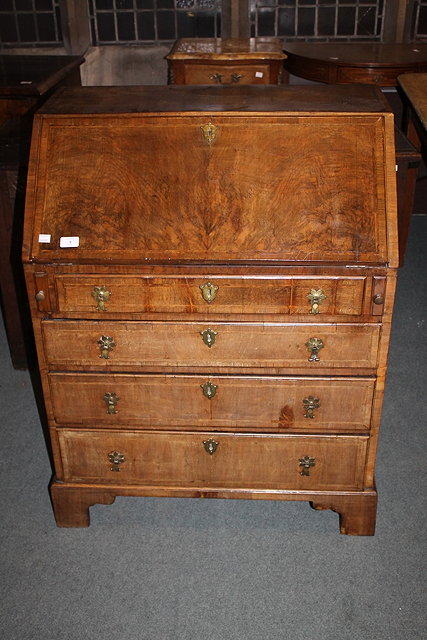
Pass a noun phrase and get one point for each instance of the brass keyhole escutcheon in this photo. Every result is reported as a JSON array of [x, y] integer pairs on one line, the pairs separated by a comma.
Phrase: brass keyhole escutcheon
[[209, 291], [116, 458], [106, 344], [111, 399], [316, 297], [210, 446], [209, 130], [314, 345], [310, 404], [209, 389], [209, 337], [306, 463], [101, 295]]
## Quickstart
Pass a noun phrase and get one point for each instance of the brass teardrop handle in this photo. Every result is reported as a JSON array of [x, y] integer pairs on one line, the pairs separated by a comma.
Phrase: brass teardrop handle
[[106, 344], [209, 291], [314, 345], [316, 297], [210, 446], [216, 77], [116, 458], [310, 404], [101, 295], [209, 337], [111, 399], [306, 463], [209, 389]]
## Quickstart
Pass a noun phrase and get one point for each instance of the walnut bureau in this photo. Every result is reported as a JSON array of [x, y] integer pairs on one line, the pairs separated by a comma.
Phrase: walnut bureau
[[211, 272]]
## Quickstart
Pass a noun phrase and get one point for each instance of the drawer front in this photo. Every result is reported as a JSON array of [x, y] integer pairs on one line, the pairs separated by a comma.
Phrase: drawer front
[[310, 297], [317, 71], [189, 460], [200, 402], [127, 345], [227, 74], [374, 75]]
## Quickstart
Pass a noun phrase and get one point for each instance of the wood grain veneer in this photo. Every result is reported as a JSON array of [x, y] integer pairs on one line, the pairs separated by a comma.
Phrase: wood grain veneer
[[293, 197]]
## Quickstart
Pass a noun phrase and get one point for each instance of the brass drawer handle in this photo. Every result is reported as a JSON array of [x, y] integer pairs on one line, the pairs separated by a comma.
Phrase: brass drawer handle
[[216, 77], [101, 295], [209, 291], [209, 389], [310, 404], [209, 337], [210, 446], [236, 77], [111, 399], [314, 345], [106, 344], [378, 299], [316, 297], [116, 458], [40, 296], [306, 463]]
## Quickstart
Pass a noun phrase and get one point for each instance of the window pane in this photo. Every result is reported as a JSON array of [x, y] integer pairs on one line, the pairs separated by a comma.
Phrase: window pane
[[26, 27], [46, 27], [145, 24], [106, 29], [286, 22], [125, 26], [266, 22], [166, 25], [306, 18]]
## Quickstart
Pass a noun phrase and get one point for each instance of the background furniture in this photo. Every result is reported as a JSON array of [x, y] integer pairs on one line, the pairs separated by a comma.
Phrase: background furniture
[[25, 83], [226, 61], [368, 63], [349, 63], [413, 89], [220, 331], [408, 161]]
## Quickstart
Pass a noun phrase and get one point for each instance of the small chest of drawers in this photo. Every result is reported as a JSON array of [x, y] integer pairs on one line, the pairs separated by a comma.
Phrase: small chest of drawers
[[211, 275], [226, 61]]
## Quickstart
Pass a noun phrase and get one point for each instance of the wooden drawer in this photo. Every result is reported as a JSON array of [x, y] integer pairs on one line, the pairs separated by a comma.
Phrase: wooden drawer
[[374, 75], [221, 402], [240, 461], [124, 294], [226, 73], [75, 345]]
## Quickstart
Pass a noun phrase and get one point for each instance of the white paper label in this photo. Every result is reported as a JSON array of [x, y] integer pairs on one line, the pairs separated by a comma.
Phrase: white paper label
[[44, 238], [259, 74], [69, 241]]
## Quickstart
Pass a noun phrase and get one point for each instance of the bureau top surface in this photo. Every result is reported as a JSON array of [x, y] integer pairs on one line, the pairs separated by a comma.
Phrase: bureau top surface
[[248, 98], [197, 175]]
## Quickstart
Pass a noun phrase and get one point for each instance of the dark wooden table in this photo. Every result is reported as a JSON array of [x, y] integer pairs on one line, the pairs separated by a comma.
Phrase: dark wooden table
[[349, 63], [413, 89], [25, 83], [368, 63]]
